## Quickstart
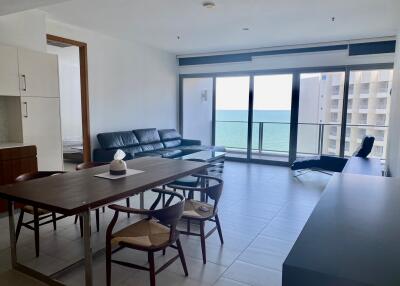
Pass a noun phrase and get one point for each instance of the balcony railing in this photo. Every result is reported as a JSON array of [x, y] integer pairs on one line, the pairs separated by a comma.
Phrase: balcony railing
[[272, 138]]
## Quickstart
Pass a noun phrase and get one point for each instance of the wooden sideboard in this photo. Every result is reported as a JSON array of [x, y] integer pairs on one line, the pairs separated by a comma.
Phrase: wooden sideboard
[[15, 160]]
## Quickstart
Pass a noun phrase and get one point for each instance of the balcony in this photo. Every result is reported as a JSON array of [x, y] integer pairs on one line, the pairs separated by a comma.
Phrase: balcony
[[270, 140]]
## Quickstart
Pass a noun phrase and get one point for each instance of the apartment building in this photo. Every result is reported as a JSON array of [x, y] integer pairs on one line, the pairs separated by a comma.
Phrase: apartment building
[[368, 108]]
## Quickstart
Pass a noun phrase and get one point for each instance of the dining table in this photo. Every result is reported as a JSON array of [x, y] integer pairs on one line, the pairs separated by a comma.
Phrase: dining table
[[79, 192]]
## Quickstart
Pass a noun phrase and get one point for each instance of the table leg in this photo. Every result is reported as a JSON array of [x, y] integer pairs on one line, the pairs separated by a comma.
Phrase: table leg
[[88, 248], [13, 240], [141, 197]]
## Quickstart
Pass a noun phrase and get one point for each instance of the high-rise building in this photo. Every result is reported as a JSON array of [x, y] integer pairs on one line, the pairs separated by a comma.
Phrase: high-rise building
[[321, 107]]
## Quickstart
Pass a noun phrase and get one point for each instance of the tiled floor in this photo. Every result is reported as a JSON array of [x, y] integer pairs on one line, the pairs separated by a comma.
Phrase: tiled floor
[[262, 211]]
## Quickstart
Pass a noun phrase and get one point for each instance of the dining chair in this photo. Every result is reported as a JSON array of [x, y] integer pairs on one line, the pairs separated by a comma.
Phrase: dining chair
[[154, 233], [88, 165], [201, 211], [39, 214]]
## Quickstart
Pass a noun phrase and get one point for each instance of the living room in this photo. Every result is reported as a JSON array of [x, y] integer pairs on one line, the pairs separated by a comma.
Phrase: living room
[[275, 112]]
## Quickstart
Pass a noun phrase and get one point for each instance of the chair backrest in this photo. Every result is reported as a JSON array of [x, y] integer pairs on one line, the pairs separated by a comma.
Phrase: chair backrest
[[365, 148], [169, 215], [36, 175], [88, 165], [213, 189]]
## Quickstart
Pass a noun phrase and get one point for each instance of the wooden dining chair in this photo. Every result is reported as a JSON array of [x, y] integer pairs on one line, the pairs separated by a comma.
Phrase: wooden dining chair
[[39, 215], [154, 233], [201, 211], [88, 165]]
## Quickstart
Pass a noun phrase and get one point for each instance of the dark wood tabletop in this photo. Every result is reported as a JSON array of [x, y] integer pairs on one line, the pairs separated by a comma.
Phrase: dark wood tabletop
[[352, 237], [75, 192]]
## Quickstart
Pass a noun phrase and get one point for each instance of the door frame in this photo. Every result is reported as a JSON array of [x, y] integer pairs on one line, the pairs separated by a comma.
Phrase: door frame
[[83, 62]]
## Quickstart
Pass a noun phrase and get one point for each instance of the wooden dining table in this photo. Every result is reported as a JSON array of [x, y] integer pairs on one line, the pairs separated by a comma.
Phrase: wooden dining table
[[77, 193]]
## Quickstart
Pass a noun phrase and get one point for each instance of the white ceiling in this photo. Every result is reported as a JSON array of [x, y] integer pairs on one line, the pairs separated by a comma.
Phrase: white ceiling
[[271, 22], [12, 6]]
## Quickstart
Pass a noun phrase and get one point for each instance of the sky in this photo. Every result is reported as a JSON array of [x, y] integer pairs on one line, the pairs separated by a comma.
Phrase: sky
[[271, 92]]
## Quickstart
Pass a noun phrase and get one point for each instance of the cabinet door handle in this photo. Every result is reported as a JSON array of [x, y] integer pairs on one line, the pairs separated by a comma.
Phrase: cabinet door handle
[[23, 82], [26, 109]]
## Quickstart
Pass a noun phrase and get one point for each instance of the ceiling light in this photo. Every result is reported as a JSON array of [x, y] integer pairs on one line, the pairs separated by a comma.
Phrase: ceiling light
[[209, 5]]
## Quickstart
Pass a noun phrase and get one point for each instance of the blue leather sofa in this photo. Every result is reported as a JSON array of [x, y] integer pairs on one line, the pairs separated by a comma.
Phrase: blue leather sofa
[[166, 143]]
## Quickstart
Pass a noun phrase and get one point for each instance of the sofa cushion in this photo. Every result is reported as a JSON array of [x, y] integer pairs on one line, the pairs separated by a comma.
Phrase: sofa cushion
[[113, 140], [170, 153], [172, 143], [152, 146], [170, 138], [169, 134], [148, 135]]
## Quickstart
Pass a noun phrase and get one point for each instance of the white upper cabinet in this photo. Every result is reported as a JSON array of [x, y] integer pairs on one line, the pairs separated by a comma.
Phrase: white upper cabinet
[[35, 69], [9, 84]]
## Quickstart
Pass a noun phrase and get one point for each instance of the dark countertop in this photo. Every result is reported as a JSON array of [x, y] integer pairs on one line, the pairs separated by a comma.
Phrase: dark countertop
[[363, 166], [352, 236]]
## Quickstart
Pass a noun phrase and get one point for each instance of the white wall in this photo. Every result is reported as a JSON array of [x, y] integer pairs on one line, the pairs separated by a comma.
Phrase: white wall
[[70, 92], [130, 85], [25, 29], [393, 153], [197, 109]]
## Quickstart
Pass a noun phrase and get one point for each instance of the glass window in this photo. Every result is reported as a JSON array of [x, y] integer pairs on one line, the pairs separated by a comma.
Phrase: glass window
[[320, 113], [372, 106]]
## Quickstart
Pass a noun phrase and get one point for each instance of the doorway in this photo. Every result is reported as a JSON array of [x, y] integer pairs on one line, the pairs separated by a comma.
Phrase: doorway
[[74, 99]]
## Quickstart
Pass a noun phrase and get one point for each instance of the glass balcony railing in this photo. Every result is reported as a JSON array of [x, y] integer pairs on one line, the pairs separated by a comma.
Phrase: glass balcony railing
[[273, 137]]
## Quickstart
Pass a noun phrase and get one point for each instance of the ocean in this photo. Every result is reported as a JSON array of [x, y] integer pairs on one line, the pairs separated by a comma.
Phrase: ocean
[[231, 129]]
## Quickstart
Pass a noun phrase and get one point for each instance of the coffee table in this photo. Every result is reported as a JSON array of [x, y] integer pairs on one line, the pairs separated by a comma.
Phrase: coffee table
[[215, 159]]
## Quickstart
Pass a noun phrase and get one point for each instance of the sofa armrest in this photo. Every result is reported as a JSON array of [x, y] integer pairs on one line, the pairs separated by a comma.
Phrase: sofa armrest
[[189, 142], [102, 155]]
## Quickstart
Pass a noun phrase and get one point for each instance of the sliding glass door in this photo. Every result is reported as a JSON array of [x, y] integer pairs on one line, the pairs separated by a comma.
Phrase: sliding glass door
[[232, 113], [279, 117], [254, 125], [320, 113], [272, 107]]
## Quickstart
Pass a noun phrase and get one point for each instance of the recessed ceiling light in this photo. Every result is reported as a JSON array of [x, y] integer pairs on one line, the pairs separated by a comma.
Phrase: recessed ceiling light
[[209, 5]]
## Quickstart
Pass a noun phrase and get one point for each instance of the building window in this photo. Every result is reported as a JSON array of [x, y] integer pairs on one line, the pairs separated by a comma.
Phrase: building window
[[383, 87], [380, 135], [378, 151], [363, 119], [335, 89], [348, 131], [333, 130], [335, 104], [351, 88], [362, 132], [364, 88], [346, 146], [381, 103], [334, 117], [380, 119], [350, 104], [364, 103], [349, 118], [332, 144]]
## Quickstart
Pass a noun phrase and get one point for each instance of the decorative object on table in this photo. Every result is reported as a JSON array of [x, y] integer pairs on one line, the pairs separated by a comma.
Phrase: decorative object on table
[[118, 165], [129, 172]]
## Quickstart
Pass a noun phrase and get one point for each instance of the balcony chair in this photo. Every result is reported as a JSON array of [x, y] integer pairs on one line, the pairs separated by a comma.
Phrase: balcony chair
[[38, 214], [154, 233], [326, 164], [88, 165], [201, 211]]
